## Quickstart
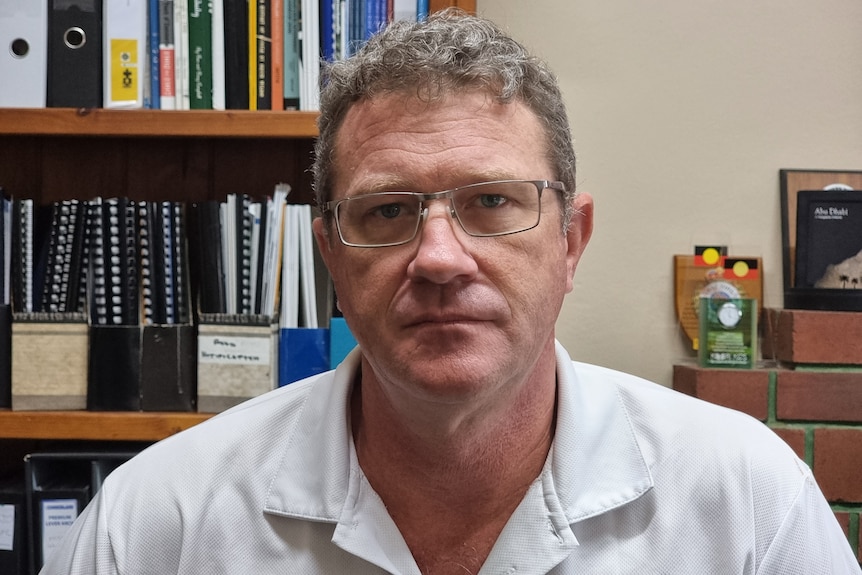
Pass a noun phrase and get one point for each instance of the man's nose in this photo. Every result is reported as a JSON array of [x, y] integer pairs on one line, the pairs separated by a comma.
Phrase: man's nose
[[442, 251]]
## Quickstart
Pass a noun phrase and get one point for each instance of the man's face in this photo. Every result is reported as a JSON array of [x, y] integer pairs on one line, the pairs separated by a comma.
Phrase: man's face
[[449, 317]]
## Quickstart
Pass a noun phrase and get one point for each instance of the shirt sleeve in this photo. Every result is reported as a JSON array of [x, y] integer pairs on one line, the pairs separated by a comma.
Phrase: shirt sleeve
[[809, 541], [86, 549]]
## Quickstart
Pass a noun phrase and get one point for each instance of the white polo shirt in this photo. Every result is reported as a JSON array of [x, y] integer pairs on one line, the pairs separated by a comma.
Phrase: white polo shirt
[[640, 480]]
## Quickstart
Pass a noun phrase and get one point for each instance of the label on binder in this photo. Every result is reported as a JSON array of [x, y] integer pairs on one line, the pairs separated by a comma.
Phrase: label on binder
[[125, 70], [234, 350], [57, 517], [7, 527]]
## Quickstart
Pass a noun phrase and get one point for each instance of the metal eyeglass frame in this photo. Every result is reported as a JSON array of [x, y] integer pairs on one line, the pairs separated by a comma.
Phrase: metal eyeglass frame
[[332, 206]]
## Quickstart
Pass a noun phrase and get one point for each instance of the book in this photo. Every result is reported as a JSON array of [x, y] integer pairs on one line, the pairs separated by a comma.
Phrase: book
[[251, 53], [263, 51], [328, 9], [405, 10], [200, 55], [309, 55], [236, 54], [217, 30], [272, 256], [181, 54], [277, 54], [153, 95], [167, 80], [291, 54]]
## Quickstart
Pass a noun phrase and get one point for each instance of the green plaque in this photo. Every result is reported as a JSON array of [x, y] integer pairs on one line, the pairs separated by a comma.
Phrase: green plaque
[[728, 332]]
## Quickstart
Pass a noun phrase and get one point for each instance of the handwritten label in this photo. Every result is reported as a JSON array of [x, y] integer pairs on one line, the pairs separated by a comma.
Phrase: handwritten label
[[57, 517], [234, 350], [7, 527]]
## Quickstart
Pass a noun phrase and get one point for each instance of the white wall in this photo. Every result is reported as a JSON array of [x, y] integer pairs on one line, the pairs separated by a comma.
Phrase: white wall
[[683, 112]]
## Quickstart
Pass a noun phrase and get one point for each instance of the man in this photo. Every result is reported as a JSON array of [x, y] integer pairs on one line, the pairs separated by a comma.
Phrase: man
[[459, 437]]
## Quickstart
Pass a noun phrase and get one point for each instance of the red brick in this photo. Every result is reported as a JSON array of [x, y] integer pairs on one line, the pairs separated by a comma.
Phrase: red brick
[[746, 390], [794, 437], [844, 521], [819, 396], [837, 463], [809, 336]]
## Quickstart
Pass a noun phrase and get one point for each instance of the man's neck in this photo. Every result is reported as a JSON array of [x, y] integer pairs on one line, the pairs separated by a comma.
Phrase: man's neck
[[452, 484]]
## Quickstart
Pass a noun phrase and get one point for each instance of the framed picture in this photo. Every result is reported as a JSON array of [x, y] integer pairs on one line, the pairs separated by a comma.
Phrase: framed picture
[[822, 239]]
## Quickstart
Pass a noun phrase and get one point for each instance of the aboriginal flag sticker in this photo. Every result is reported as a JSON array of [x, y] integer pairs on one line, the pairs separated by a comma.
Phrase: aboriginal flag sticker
[[741, 269], [709, 256]]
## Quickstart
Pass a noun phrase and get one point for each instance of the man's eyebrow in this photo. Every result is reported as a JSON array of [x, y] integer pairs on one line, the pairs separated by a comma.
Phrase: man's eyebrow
[[397, 183]]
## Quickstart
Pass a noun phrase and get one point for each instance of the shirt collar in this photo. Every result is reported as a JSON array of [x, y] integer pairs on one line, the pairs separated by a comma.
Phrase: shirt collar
[[595, 463]]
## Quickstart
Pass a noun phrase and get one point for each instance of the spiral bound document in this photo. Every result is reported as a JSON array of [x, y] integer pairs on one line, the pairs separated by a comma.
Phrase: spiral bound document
[[166, 227], [97, 285], [181, 302], [5, 248], [244, 224]]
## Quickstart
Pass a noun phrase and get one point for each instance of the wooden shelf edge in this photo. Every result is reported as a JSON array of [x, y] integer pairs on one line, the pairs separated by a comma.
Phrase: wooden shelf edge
[[157, 123], [96, 425]]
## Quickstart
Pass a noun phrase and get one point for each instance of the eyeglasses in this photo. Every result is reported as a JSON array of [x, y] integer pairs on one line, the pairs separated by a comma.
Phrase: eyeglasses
[[483, 210]]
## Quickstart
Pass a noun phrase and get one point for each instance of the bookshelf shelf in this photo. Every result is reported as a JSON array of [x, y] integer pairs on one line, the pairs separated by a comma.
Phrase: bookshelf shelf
[[157, 123], [92, 425]]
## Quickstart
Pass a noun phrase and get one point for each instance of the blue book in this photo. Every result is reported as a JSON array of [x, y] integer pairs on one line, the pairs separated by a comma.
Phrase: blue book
[[302, 352], [421, 9], [154, 102], [327, 30]]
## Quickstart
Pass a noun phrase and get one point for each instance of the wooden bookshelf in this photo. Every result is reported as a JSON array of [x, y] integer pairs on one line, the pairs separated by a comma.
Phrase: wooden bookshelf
[[157, 123], [95, 425], [51, 154]]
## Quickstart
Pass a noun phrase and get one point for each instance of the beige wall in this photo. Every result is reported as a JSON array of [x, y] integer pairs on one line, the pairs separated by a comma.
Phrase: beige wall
[[683, 111]]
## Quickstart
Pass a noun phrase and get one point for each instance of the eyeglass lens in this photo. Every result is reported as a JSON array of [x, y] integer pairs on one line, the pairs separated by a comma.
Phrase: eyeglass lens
[[487, 209]]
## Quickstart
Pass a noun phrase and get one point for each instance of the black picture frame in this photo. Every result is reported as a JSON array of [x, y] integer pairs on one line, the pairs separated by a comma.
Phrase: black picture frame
[[801, 294]]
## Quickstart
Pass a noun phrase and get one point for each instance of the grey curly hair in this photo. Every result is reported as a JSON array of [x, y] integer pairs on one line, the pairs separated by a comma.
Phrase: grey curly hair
[[449, 51]]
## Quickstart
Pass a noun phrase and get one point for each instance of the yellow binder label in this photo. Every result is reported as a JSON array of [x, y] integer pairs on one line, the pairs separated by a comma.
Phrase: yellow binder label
[[125, 72]]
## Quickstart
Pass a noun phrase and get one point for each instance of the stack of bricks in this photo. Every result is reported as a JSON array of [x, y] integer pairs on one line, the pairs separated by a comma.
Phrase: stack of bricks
[[811, 396]]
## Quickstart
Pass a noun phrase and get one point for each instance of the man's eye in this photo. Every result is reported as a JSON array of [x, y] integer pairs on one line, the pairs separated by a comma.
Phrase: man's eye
[[389, 211], [492, 200]]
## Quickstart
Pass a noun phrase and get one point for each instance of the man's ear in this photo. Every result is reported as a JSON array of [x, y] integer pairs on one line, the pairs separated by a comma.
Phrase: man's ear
[[324, 241], [578, 234]]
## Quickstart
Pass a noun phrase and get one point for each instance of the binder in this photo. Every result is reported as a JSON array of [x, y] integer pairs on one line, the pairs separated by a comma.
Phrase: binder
[[49, 361], [5, 356], [13, 526], [57, 487], [125, 53], [237, 359], [24, 53], [142, 368], [74, 53]]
